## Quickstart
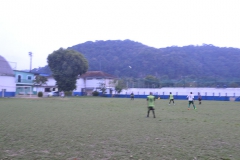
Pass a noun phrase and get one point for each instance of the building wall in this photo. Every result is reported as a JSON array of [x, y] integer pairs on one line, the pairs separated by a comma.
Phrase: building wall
[[185, 91], [222, 94], [51, 81], [94, 83], [7, 83], [91, 83], [26, 78], [79, 85], [49, 86]]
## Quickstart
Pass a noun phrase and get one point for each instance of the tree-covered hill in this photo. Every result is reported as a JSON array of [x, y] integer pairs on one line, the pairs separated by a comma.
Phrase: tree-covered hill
[[115, 57], [133, 59]]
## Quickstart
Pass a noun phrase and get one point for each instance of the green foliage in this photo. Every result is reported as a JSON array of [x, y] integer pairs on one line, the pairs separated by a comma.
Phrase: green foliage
[[44, 69], [234, 85], [102, 87], [151, 81], [40, 80], [40, 94], [203, 62], [120, 86], [66, 65], [95, 93], [114, 57], [68, 93]]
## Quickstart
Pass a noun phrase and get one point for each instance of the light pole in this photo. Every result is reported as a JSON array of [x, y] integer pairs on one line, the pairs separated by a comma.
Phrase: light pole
[[30, 54]]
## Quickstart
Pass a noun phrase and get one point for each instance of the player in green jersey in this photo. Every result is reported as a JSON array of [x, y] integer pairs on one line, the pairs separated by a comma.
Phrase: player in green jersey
[[151, 100], [171, 99]]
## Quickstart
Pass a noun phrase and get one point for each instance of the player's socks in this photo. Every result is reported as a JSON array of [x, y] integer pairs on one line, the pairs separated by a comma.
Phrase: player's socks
[[148, 113]]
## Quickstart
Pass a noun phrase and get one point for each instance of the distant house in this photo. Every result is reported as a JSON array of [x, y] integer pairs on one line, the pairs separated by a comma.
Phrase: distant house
[[49, 86], [7, 79], [85, 85], [24, 82], [91, 81]]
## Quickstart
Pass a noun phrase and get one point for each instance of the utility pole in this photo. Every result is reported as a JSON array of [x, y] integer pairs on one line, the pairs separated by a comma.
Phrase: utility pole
[[30, 54]]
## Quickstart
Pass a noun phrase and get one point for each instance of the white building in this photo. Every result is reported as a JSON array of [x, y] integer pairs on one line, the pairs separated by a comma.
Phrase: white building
[[7, 79], [92, 80], [85, 85]]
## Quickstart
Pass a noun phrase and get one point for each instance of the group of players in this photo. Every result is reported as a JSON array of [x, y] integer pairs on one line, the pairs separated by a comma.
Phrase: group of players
[[151, 99]]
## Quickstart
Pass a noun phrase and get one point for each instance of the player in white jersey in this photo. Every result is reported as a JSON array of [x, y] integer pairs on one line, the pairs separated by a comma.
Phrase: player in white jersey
[[191, 100]]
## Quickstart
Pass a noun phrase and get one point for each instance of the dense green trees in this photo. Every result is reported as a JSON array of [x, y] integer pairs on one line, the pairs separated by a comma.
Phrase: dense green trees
[[203, 62], [151, 81], [66, 65]]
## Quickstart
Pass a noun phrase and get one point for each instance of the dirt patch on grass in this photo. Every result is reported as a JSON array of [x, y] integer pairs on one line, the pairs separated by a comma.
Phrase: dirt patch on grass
[[13, 153]]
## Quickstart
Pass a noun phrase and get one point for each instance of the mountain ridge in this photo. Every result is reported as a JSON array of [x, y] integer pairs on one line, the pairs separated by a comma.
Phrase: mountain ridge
[[115, 57]]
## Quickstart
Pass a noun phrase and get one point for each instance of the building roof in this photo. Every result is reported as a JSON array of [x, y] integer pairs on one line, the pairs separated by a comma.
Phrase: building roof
[[5, 68], [19, 71], [96, 74]]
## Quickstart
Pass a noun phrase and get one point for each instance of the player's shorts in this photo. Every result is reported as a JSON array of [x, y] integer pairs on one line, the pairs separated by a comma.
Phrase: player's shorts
[[199, 99], [150, 108], [191, 102]]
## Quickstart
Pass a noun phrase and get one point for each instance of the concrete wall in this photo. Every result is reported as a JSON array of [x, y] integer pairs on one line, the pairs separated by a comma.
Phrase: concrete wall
[[8, 83], [185, 91], [91, 83], [221, 94], [78, 91], [51, 81]]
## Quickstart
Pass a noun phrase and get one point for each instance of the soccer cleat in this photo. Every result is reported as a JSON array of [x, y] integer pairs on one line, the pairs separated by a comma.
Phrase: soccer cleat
[[195, 108], [188, 108]]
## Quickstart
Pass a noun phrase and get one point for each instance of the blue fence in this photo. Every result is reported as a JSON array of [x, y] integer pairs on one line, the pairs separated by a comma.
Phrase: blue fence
[[176, 97], [7, 94]]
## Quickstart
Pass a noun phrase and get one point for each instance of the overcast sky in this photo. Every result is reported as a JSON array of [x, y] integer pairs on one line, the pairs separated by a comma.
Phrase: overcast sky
[[42, 26]]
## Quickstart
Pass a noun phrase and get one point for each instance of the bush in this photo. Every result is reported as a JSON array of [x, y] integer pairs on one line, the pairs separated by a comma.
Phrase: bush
[[40, 94], [68, 93], [95, 93]]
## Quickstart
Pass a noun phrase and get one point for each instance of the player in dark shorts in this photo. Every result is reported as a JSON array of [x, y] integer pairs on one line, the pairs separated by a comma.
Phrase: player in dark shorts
[[191, 100], [199, 98], [171, 98], [150, 100], [132, 96]]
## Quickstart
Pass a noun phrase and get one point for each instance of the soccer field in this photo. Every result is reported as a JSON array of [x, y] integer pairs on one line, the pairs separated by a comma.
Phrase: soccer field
[[117, 128]]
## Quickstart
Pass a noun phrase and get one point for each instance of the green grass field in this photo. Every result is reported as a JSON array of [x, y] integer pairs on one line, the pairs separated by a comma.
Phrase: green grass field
[[117, 128]]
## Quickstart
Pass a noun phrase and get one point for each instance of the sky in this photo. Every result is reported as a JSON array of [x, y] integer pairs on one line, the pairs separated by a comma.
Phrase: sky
[[43, 26]]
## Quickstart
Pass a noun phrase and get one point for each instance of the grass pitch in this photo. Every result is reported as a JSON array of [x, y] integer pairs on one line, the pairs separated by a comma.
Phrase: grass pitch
[[117, 128]]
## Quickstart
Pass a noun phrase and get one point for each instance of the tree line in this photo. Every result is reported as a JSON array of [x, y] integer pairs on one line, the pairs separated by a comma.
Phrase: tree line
[[206, 65]]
